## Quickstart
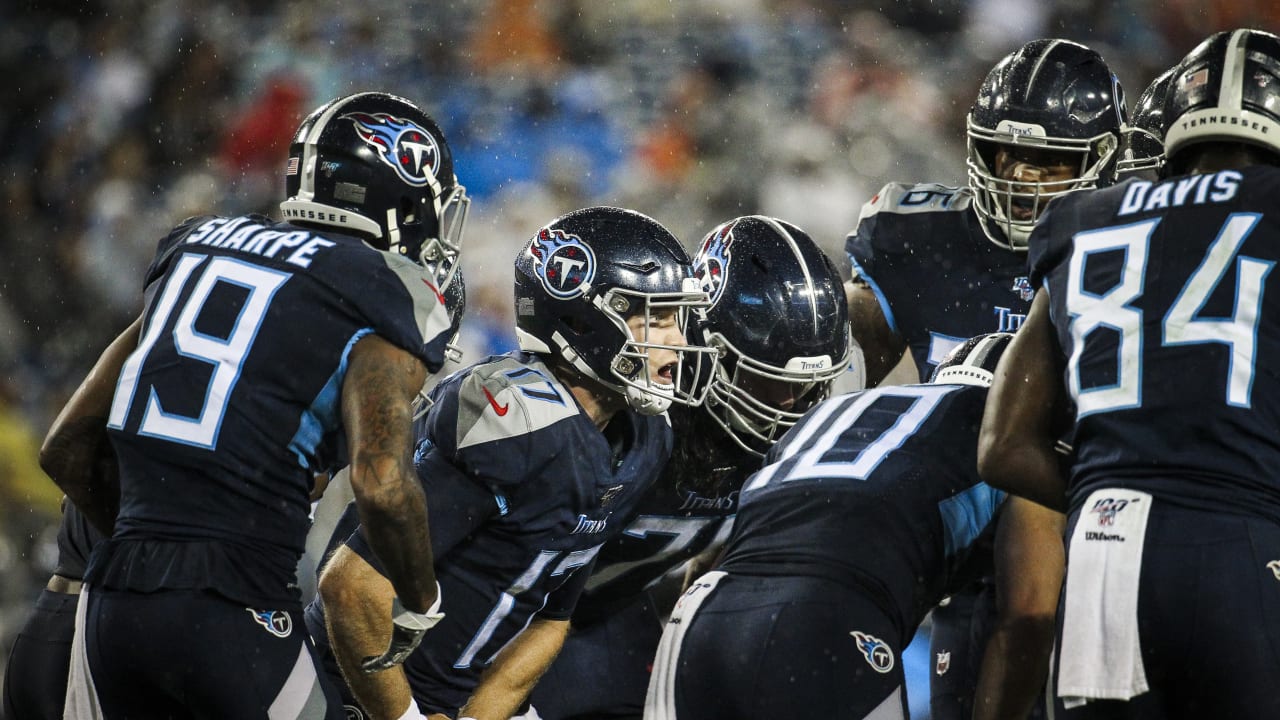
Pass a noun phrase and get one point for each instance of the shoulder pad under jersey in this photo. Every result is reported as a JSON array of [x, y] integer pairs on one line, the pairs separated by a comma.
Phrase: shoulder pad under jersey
[[507, 398], [917, 198]]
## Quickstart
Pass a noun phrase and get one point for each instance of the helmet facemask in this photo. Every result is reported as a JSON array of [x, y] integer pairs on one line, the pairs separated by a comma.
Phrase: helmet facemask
[[1008, 209], [1143, 154], [439, 254], [631, 369], [744, 396]]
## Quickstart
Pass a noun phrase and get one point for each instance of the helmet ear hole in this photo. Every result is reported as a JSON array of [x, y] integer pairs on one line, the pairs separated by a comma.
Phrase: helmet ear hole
[[575, 323]]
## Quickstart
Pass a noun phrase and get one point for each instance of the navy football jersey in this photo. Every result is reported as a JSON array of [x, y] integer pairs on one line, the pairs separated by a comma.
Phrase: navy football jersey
[[76, 540], [1168, 318], [877, 490], [231, 402], [687, 511], [938, 278], [522, 490]]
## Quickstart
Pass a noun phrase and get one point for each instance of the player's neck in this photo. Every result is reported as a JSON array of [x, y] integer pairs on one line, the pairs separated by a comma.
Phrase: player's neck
[[598, 404]]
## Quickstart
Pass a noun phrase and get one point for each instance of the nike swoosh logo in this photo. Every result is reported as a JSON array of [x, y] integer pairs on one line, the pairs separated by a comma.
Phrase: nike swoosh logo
[[439, 295], [500, 409]]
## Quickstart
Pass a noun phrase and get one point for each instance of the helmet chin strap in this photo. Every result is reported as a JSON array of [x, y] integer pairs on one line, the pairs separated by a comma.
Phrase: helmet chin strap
[[646, 403], [393, 231]]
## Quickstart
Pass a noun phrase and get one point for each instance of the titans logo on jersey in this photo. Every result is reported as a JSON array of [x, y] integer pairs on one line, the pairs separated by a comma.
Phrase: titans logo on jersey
[[522, 490], [937, 277], [400, 144], [233, 397], [1164, 307], [877, 490]]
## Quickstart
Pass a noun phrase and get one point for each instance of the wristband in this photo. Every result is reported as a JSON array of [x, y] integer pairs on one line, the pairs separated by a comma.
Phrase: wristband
[[412, 712], [404, 617]]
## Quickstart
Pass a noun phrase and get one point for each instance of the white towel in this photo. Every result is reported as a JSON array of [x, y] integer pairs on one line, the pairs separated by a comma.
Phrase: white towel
[[82, 697], [660, 700], [1100, 653]]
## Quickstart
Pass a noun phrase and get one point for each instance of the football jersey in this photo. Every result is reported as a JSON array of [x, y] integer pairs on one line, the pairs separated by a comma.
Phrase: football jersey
[[76, 539], [1168, 318], [687, 511], [938, 279], [878, 491], [231, 402], [522, 490]]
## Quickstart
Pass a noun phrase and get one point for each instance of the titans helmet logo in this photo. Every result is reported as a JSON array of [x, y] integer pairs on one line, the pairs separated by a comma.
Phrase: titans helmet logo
[[408, 148], [564, 264], [711, 266], [277, 622]]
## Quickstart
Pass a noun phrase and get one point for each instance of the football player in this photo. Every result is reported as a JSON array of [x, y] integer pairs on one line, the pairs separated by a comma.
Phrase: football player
[[35, 677], [858, 523], [779, 323], [934, 265], [1151, 340], [266, 353], [532, 461], [1144, 138]]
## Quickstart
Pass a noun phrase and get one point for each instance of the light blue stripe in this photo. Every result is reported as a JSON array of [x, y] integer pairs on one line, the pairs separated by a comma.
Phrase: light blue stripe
[[324, 414], [875, 288], [966, 514]]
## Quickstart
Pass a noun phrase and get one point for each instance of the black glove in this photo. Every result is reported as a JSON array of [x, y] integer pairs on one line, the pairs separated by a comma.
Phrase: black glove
[[407, 630]]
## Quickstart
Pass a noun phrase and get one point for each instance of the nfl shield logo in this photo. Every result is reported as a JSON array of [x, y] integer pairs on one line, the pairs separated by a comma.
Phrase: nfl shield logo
[[943, 664], [1022, 286]]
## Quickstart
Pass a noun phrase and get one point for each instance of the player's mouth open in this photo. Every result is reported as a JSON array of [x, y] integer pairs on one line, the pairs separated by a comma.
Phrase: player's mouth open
[[667, 373]]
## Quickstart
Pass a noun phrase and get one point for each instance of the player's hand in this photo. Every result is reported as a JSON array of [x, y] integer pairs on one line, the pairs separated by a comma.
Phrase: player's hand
[[407, 630]]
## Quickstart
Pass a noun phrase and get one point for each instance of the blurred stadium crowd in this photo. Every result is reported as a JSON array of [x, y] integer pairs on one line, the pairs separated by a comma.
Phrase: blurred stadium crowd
[[121, 117]]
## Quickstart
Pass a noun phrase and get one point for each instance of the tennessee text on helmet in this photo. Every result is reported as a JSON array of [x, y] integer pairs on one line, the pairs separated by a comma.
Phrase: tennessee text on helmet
[[1226, 89], [973, 362], [375, 164], [779, 321], [581, 277], [1050, 95]]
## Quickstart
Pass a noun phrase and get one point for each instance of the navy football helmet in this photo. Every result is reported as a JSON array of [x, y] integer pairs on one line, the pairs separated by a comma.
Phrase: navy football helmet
[[376, 165], [1227, 89], [1053, 96], [1144, 138], [580, 278], [972, 362], [779, 321]]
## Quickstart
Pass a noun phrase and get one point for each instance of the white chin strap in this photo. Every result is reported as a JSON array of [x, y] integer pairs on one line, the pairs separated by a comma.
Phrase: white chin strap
[[646, 403]]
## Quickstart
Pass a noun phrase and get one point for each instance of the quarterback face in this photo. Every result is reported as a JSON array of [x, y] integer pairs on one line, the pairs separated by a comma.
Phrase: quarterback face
[[659, 332]]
